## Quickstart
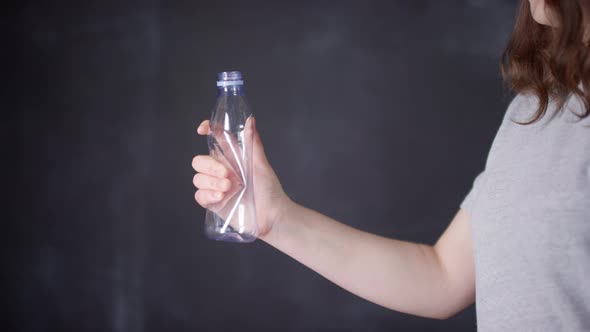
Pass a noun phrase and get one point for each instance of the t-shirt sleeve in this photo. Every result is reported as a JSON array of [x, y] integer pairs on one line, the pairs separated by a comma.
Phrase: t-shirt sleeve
[[469, 200]]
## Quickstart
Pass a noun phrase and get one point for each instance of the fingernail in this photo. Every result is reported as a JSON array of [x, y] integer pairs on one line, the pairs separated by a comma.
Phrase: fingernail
[[217, 194]]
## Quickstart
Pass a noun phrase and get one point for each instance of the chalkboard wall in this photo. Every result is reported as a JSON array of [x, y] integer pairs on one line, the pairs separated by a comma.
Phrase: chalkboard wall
[[376, 113]]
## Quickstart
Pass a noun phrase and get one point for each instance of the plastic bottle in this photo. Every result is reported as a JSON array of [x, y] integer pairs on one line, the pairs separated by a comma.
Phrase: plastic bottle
[[233, 219]]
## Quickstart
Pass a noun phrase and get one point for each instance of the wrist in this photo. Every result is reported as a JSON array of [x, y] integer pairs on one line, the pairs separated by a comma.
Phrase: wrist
[[280, 218]]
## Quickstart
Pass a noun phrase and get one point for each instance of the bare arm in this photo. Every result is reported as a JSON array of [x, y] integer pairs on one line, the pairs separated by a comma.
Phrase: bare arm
[[431, 281]]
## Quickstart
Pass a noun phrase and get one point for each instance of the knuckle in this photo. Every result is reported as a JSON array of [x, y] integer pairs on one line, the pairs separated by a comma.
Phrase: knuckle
[[214, 183], [211, 168], [222, 171]]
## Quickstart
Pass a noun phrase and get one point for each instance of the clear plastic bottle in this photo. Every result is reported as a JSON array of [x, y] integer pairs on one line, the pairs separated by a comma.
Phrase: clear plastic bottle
[[233, 219]]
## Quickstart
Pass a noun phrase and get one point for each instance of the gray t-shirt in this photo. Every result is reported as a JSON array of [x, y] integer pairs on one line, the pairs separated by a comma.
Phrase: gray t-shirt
[[530, 217]]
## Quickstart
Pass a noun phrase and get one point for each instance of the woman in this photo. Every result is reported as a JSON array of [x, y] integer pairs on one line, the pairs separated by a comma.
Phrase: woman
[[521, 239]]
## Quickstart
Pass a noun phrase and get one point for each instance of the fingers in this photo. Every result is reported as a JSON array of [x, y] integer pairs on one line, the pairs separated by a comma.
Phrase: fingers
[[211, 180], [209, 166], [208, 182], [207, 197], [203, 128]]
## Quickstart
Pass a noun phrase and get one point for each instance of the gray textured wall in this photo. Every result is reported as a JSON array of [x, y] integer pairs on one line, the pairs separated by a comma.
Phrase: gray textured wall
[[376, 113]]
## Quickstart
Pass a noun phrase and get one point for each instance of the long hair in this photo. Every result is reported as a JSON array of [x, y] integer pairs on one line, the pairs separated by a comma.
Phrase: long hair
[[552, 62]]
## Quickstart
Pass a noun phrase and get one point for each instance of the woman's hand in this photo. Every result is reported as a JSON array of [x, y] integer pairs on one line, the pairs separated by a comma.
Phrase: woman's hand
[[213, 181]]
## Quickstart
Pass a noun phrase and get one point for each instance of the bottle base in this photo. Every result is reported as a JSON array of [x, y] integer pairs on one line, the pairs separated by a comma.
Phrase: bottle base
[[231, 237], [217, 229]]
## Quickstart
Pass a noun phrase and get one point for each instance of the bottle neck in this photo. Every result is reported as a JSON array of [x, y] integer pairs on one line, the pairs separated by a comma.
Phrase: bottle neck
[[230, 90]]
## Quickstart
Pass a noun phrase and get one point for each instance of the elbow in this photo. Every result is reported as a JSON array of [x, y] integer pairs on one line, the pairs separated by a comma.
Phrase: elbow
[[431, 313], [452, 305], [446, 313], [443, 315]]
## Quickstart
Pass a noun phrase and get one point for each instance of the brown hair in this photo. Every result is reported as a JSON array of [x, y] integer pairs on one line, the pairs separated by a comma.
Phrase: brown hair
[[547, 61]]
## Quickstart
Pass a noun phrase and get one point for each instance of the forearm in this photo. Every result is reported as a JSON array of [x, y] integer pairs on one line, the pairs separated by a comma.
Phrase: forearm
[[398, 275]]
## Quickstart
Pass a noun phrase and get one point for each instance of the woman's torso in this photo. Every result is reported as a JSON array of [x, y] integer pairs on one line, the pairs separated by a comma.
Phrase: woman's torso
[[530, 215]]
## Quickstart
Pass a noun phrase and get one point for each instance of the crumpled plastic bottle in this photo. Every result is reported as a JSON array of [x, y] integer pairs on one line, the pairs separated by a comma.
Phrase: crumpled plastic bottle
[[233, 219]]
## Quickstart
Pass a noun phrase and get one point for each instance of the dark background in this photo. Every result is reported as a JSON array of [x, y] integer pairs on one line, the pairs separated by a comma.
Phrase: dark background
[[376, 113]]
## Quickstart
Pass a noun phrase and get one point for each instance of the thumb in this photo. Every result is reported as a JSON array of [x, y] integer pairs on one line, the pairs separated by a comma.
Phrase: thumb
[[259, 155]]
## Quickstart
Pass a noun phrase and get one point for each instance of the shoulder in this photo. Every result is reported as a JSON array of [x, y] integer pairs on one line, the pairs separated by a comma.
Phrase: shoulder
[[521, 109], [524, 105]]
